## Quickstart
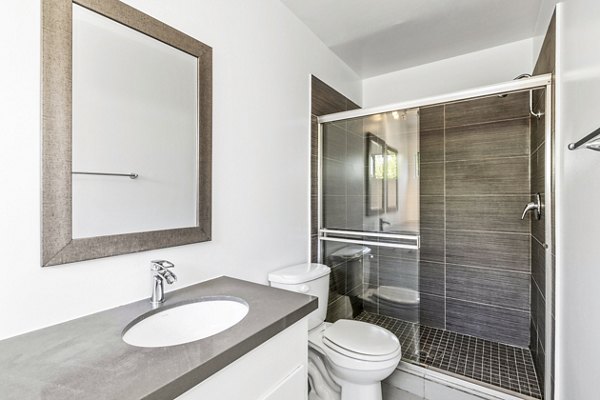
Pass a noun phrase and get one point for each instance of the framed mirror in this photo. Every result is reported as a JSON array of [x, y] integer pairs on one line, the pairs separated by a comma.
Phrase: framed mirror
[[382, 176], [374, 184], [391, 179], [126, 132]]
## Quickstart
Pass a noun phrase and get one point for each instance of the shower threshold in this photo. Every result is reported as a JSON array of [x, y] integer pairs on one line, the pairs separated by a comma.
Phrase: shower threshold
[[506, 367]]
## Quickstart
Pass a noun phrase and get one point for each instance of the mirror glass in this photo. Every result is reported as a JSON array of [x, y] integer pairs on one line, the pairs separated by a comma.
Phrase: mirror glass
[[126, 133], [375, 174], [135, 130]]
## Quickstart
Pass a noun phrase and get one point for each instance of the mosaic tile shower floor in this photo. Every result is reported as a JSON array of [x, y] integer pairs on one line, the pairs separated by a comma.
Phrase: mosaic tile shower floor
[[504, 366]]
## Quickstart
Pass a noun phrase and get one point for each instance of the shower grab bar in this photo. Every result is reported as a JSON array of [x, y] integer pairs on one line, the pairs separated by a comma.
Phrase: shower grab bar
[[131, 175], [585, 140], [415, 238]]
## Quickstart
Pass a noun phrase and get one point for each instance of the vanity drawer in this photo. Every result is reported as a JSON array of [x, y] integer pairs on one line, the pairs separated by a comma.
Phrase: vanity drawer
[[293, 387], [275, 370]]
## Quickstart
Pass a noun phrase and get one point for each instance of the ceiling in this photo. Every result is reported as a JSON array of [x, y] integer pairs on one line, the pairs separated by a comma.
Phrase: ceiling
[[378, 36]]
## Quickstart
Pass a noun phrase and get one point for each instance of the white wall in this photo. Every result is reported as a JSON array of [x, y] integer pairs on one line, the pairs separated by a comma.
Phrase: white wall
[[541, 26], [262, 60], [485, 67], [578, 196]]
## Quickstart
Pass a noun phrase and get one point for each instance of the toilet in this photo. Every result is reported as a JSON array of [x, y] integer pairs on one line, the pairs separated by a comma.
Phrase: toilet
[[357, 356]]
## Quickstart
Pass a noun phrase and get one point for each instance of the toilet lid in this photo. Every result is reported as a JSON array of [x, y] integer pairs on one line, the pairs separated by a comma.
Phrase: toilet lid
[[360, 339]]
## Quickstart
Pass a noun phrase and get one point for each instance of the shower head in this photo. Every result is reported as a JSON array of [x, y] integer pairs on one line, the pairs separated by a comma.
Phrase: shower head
[[514, 79], [523, 76]]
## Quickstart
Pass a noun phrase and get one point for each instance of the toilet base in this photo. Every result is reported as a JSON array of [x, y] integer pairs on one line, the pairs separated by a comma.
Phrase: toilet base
[[357, 379], [355, 391]]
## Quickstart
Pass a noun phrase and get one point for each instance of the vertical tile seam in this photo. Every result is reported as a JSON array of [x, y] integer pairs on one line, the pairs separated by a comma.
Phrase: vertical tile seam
[[445, 218], [530, 239]]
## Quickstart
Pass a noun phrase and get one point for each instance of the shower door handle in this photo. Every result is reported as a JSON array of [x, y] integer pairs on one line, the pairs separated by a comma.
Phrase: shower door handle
[[535, 206]]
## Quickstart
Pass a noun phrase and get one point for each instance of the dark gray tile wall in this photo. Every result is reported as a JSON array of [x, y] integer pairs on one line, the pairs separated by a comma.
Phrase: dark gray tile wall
[[474, 272], [504, 325], [432, 266], [325, 100], [538, 324], [501, 176], [492, 213], [475, 255], [504, 250], [343, 211]]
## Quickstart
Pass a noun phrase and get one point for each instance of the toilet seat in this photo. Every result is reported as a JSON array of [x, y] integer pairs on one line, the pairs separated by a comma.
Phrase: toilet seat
[[361, 341], [359, 356], [354, 355]]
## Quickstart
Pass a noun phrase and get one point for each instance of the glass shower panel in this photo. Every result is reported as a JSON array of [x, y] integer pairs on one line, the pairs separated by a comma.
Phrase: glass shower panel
[[369, 199], [370, 173]]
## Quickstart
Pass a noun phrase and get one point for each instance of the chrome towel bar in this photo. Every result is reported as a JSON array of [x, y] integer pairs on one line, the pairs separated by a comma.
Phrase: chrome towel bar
[[585, 140], [131, 175]]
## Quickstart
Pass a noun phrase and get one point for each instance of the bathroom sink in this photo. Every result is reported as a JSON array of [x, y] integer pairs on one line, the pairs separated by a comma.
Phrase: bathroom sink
[[185, 323]]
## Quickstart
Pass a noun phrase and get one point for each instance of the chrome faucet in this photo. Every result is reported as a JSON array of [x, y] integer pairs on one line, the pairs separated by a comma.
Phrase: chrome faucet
[[383, 222], [160, 274]]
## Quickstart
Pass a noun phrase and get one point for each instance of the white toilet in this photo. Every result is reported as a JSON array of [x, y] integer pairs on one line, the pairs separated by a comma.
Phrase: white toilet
[[357, 355]]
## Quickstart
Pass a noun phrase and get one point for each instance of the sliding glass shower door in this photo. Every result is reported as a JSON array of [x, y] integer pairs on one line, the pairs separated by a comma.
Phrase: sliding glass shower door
[[369, 220]]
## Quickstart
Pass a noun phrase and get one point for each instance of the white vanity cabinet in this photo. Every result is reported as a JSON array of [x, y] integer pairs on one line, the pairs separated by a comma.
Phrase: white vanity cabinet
[[275, 370]]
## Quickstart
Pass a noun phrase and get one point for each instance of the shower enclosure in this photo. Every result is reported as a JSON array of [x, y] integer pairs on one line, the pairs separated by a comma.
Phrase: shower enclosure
[[419, 217]]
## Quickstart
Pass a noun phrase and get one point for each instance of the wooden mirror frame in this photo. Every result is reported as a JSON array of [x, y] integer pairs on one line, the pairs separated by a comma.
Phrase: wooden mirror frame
[[57, 243]]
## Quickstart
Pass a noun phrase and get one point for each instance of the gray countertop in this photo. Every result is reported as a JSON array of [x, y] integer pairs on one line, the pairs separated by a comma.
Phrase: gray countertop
[[86, 358]]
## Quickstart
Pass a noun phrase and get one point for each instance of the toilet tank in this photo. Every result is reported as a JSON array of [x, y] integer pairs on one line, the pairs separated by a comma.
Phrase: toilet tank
[[306, 278]]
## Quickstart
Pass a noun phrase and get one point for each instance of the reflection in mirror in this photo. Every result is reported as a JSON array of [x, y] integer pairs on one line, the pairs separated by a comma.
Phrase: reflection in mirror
[[126, 132], [391, 176], [134, 111], [375, 174], [391, 179]]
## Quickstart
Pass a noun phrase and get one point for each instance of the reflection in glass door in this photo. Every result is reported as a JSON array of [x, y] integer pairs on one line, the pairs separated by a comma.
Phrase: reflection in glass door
[[369, 220]]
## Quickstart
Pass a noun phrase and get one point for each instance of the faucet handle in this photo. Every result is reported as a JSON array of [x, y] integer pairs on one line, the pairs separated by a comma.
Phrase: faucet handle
[[161, 264], [535, 206]]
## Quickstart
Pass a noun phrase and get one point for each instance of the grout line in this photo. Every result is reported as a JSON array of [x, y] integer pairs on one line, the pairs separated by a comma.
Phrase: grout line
[[486, 231], [526, 156], [486, 122], [489, 305], [471, 195], [491, 268], [518, 377], [485, 195]]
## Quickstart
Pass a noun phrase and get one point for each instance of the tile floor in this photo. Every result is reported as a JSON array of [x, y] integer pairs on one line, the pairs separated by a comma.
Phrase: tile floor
[[508, 367]]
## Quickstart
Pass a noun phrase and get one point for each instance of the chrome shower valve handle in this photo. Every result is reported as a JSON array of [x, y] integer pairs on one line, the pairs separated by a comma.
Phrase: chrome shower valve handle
[[534, 206]]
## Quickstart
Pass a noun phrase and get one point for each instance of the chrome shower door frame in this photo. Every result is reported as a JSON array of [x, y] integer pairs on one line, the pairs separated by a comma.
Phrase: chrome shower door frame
[[533, 83]]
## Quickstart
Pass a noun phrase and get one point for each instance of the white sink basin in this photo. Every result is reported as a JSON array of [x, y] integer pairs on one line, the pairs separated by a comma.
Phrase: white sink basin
[[186, 323]]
